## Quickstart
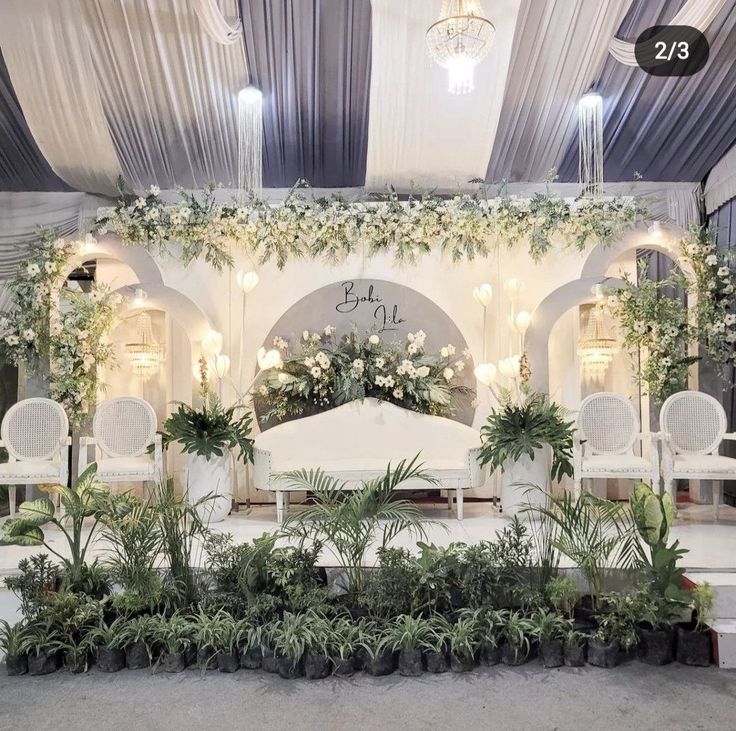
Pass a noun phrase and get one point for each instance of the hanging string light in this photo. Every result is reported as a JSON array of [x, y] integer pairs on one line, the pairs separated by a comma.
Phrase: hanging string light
[[250, 141], [590, 144]]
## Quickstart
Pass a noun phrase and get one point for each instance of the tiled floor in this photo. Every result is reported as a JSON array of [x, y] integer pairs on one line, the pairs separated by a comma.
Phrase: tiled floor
[[711, 545]]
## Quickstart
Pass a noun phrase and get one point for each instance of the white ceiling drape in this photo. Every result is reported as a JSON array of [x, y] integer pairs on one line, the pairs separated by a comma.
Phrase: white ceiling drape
[[695, 13], [214, 22], [168, 89], [560, 51], [416, 130], [47, 55]]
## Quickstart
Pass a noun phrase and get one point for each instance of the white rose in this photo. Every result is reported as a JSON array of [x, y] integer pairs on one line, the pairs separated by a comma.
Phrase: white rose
[[711, 260], [154, 190], [448, 374], [423, 371], [374, 340]]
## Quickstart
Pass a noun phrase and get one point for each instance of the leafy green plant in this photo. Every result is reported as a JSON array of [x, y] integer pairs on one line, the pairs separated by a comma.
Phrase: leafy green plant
[[212, 430], [563, 595], [388, 587], [409, 633], [592, 532], [343, 638], [138, 629], [109, 635], [40, 637], [87, 498], [348, 522], [490, 624], [291, 636], [173, 634], [518, 429], [436, 572], [703, 597], [517, 631], [465, 638], [38, 576], [653, 515], [617, 622], [549, 626], [13, 638]]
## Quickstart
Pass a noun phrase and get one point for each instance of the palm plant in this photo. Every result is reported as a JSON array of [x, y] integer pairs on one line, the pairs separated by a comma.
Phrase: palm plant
[[350, 521], [594, 533]]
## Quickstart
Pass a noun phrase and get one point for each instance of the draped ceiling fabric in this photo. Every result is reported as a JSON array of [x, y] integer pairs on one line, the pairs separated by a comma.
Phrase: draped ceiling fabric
[[169, 91], [311, 60], [47, 55], [22, 166], [721, 183], [666, 128], [419, 134], [559, 50]]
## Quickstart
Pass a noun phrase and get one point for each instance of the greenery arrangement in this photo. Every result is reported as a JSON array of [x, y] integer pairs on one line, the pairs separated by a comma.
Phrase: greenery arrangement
[[57, 332], [524, 424], [331, 228], [325, 372]]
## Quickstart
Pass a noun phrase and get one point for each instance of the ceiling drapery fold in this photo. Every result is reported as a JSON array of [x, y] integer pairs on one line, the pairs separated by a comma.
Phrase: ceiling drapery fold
[[47, 55]]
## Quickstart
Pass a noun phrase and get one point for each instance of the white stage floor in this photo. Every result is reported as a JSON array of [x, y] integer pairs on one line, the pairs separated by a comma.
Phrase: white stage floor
[[711, 544]]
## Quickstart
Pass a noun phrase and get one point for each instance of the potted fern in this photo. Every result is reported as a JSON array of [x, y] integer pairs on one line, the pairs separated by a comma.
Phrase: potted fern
[[208, 435], [529, 440], [109, 640], [12, 637]]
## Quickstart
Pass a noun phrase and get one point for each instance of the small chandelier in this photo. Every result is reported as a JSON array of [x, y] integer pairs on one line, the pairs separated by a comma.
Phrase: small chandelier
[[596, 349], [145, 355], [459, 41]]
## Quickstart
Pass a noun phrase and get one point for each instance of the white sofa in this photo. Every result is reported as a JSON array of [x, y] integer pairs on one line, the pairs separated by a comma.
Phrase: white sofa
[[356, 441]]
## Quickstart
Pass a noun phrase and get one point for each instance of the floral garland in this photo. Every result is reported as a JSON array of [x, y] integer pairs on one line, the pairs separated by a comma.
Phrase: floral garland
[[331, 228], [74, 340], [649, 320], [714, 284], [325, 372]]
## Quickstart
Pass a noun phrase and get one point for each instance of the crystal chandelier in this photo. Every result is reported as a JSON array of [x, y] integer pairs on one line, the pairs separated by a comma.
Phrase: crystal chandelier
[[596, 349], [145, 355], [459, 41]]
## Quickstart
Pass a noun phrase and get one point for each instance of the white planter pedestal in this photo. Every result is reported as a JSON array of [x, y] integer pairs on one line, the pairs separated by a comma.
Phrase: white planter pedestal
[[210, 476], [518, 478]]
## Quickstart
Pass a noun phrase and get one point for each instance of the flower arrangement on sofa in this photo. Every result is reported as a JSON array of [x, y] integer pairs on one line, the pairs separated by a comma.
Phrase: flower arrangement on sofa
[[49, 323], [321, 371], [330, 228]]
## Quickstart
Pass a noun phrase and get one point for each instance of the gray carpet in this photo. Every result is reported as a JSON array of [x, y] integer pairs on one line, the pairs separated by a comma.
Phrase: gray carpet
[[633, 696]]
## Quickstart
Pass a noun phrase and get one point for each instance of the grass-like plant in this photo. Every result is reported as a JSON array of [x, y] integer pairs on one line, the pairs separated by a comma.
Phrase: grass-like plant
[[291, 636], [13, 637], [517, 632], [549, 626], [348, 522], [410, 633], [173, 634], [703, 596], [518, 428]]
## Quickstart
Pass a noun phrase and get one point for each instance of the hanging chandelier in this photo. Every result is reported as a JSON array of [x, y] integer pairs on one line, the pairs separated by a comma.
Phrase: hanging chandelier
[[145, 355], [596, 348], [459, 41]]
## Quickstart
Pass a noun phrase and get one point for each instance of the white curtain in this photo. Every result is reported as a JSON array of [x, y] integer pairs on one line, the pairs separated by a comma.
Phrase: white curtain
[[22, 215], [169, 91], [47, 55], [721, 183], [695, 13], [213, 21], [417, 130]]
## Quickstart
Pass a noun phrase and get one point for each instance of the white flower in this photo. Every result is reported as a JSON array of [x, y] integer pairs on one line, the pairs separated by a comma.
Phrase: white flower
[[305, 335], [374, 340], [380, 362], [33, 269], [448, 374], [309, 362], [49, 267], [330, 330], [316, 372], [154, 190], [711, 260], [459, 366], [412, 349], [445, 353], [283, 377], [29, 334], [358, 365], [280, 343], [263, 391], [398, 393], [723, 271], [730, 319], [422, 371], [12, 340]]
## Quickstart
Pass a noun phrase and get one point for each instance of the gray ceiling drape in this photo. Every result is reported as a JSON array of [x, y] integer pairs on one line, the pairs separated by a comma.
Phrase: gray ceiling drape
[[666, 128], [22, 166], [311, 60]]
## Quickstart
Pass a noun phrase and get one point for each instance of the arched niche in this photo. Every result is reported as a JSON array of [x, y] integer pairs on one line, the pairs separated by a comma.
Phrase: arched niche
[[548, 312]]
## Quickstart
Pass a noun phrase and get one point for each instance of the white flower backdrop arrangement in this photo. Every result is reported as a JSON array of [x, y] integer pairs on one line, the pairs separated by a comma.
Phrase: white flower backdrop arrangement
[[651, 321], [714, 284], [321, 372], [51, 324], [331, 228]]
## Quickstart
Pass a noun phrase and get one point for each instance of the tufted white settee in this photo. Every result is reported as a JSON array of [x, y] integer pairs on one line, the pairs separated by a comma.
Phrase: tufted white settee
[[356, 441]]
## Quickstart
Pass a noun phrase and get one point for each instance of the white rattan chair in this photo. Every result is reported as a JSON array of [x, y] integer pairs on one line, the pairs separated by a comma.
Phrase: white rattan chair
[[693, 426], [36, 434], [122, 431], [603, 445]]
